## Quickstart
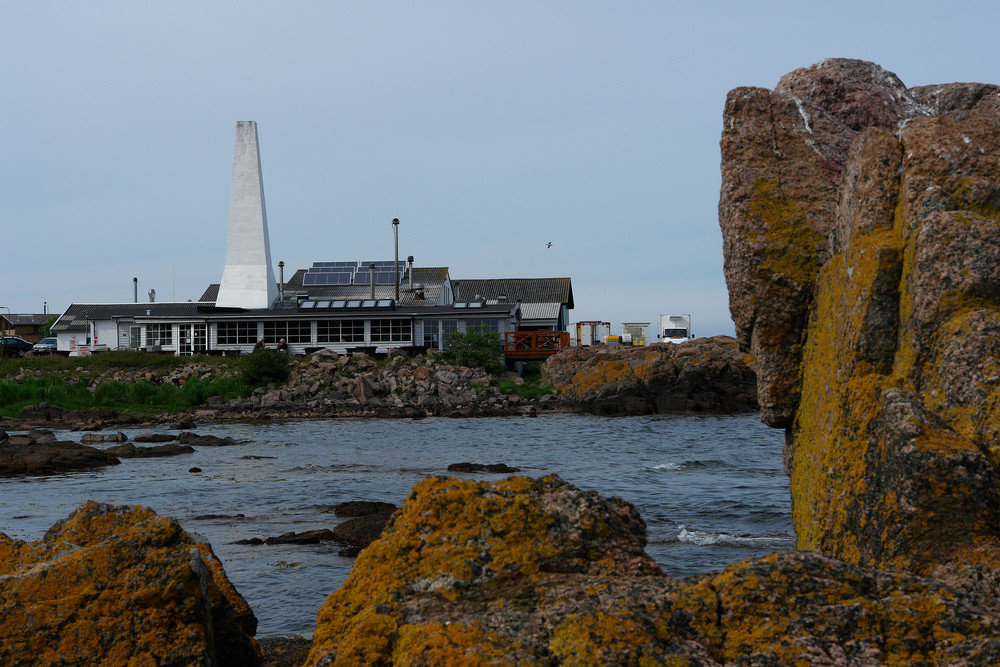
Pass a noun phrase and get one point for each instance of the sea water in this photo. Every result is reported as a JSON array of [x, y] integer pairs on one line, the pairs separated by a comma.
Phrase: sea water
[[710, 488]]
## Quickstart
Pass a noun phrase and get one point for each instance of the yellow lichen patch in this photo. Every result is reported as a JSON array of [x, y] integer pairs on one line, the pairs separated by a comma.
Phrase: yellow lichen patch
[[433, 644], [596, 639], [592, 378], [127, 589], [449, 535], [835, 405], [366, 639], [791, 247]]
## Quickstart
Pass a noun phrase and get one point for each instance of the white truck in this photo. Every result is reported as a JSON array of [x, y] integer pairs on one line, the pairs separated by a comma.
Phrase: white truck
[[674, 328]]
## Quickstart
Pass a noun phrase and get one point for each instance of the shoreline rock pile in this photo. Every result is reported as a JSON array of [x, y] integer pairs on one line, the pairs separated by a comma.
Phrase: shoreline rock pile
[[701, 375]]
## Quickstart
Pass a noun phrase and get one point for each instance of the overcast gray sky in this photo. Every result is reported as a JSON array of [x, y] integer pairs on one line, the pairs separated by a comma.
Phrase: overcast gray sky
[[488, 128]]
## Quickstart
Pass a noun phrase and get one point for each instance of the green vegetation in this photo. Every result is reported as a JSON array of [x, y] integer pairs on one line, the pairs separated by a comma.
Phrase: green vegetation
[[74, 383], [532, 388], [46, 329], [264, 366], [141, 397], [105, 361], [475, 349]]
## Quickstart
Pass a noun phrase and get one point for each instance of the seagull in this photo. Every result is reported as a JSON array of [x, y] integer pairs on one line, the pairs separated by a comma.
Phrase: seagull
[[549, 244]]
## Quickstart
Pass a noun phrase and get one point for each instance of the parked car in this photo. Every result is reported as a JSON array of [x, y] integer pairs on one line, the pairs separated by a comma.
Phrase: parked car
[[45, 346], [14, 346]]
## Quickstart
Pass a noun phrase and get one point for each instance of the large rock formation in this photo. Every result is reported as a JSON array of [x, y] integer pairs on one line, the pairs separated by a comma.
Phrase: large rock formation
[[700, 375], [861, 222], [120, 585], [537, 572], [38, 452]]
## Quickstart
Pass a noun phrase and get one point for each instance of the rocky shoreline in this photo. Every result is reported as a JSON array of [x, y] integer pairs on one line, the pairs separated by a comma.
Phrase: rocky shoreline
[[860, 222], [703, 375]]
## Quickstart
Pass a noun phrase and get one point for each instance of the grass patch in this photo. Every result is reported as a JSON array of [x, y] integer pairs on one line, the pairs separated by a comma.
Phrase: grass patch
[[532, 388], [125, 359], [141, 397]]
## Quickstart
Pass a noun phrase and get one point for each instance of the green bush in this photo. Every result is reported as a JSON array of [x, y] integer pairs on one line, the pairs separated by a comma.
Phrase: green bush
[[476, 349], [264, 366]]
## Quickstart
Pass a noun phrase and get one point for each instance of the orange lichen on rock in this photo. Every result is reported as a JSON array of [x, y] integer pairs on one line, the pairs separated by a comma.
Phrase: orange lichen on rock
[[120, 585]]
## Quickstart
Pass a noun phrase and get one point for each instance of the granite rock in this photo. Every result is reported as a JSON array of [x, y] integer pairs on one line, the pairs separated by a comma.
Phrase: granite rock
[[120, 585]]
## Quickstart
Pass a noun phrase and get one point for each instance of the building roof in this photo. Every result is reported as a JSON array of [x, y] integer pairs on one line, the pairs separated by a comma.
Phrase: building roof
[[22, 320], [525, 290], [540, 311], [433, 279], [78, 314]]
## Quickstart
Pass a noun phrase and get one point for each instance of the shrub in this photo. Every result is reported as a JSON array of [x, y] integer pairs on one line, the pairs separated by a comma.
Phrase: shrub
[[475, 349], [264, 366]]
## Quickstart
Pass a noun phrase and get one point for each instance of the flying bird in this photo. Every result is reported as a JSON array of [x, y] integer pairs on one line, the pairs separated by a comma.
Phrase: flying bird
[[549, 244]]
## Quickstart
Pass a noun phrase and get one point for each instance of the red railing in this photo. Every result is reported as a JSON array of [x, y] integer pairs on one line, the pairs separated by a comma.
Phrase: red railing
[[534, 344]]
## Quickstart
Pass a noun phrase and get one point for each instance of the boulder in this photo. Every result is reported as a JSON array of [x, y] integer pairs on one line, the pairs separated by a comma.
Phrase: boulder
[[496, 468], [89, 438], [538, 572], [362, 530], [362, 508], [861, 226], [120, 585], [22, 456], [154, 437], [211, 441], [700, 375], [130, 451]]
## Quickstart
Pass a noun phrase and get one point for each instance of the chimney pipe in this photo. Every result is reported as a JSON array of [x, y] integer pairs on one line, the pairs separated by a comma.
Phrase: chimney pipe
[[409, 260], [395, 244], [371, 273], [135, 290], [281, 281]]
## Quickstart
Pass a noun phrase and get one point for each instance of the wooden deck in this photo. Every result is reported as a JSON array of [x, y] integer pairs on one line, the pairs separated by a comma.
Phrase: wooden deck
[[534, 345]]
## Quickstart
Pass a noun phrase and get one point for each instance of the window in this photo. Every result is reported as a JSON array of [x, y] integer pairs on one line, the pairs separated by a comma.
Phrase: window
[[482, 325], [340, 331], [295, 331], [432, 336], [448, 327], [159, 334], [391, 331], [237, 333]]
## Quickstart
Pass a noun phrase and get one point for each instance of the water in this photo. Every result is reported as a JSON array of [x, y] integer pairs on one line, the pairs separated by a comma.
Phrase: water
[[710, 488]]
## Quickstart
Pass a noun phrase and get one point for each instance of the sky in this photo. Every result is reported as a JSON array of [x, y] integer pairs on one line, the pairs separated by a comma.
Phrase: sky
[[489, 129]]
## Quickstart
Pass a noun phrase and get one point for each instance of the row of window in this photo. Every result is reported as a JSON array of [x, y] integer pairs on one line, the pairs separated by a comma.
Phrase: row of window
[[328, 331]]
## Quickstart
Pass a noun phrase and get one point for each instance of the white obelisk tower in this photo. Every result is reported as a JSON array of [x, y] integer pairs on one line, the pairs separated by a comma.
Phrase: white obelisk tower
[[248, 278]]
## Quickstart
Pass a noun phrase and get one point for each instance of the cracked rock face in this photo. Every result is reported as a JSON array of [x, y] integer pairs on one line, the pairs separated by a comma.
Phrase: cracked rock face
[[817, 158], [861, 222]]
